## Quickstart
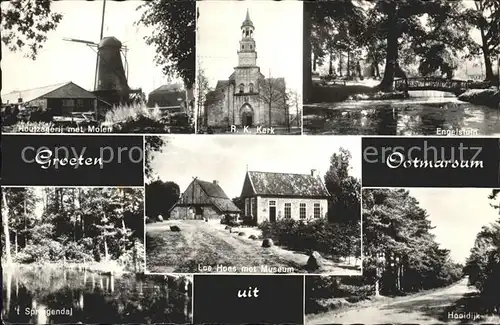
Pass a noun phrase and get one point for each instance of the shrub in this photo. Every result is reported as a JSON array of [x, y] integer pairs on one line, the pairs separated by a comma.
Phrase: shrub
[[45, 250], [76, 252], [123, 113], [129, 256], [248, 221], [332, 239]]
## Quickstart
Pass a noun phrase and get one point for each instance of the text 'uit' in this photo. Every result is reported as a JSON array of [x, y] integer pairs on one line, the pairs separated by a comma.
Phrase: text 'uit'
[[248, 293]]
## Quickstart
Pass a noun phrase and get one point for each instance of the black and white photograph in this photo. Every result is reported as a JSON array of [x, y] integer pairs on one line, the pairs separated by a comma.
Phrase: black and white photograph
[[253, 205], [249, 67], [75, 255], [98, 66], [430, 255], [402, 67]]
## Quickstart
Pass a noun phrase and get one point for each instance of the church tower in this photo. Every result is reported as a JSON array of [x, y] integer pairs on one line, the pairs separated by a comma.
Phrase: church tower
[[247, 56]]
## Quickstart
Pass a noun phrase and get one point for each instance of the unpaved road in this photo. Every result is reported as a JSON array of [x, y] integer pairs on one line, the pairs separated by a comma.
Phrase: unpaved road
[[200, 245], [424, 308]]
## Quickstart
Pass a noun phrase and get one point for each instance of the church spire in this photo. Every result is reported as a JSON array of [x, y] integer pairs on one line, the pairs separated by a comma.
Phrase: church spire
[[247, 55], [247, 22]]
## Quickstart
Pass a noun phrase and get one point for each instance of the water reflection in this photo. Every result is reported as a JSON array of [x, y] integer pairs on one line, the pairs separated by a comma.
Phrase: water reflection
[[422, 114], [40, 296]]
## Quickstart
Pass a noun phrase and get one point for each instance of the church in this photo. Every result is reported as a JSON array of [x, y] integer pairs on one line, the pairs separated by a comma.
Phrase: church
[[247, 97]]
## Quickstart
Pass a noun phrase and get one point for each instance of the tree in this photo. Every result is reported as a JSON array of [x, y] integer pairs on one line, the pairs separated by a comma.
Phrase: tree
[[173, 25], [160, 198], [25, 25], [345, 205], [294, 102], [319, 21], [5, 226], [239, 202], [338, 171], [272, 92], [202, 89], [307, 51], [399, 249], [486, 17], [152, 144], [400, 20]]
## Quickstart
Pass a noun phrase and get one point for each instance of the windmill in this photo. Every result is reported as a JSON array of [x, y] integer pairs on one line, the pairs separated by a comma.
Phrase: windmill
[[111, 75], [95, 47]]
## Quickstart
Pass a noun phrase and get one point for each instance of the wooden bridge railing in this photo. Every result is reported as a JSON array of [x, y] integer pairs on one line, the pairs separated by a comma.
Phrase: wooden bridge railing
[[422, 83]]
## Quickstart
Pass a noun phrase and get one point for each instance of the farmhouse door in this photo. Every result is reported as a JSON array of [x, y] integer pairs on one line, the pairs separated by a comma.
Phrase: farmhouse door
[[272, 214]]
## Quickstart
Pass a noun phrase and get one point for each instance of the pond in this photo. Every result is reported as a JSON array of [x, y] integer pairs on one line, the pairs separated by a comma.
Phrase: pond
[[422, 114], [41, 296]]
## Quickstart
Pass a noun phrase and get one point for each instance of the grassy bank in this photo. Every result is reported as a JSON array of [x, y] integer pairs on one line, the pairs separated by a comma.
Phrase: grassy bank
[[340, 93], [487, 97]]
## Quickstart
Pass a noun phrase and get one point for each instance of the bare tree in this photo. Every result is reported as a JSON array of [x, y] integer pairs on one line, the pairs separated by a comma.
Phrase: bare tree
[[272, 91], [202, 89], [5, 226]]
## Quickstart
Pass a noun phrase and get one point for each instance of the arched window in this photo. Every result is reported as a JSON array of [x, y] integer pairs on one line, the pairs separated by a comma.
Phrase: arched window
[[251, 46], [242, 46], [242, 88], [247, 33], [251, 88]]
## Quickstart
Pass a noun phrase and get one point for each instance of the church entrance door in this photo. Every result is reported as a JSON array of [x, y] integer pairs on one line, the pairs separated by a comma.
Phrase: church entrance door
[[246, 112], [247, 119]]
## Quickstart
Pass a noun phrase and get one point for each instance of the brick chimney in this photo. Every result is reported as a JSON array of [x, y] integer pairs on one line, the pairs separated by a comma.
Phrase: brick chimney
[[314, 173], [216, 182]]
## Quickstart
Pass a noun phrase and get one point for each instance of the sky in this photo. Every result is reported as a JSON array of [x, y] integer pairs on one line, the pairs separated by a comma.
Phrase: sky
[[278, 38], [225, 158], [458, 215], [61, 61]]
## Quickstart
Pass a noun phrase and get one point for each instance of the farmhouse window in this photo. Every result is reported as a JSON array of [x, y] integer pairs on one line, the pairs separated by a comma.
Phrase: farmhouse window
[[272, 203], [317, 210], [288, 210], [302, 211], [247, 203]]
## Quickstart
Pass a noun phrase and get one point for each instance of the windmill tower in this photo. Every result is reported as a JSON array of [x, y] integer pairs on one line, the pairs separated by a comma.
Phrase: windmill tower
[[110, 78]]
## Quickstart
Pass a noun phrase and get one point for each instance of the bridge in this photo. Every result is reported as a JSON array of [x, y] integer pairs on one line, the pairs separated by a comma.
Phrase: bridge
[[454, 86]]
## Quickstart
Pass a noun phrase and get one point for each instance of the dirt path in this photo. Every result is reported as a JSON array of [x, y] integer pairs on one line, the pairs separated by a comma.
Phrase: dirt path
[[424, 308], [204, 244]]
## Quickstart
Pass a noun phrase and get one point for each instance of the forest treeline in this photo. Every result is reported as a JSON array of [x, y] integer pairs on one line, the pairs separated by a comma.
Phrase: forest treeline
[[81, 225], [483, 264], [400, 254], [403, 37]]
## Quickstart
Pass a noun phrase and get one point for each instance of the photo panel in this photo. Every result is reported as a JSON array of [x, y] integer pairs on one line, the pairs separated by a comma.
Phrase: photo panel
[[131, 69], [405, 69], [249, 76], [76, 255], [253, 205], [249, 299], [431, 162], [430, 255]]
